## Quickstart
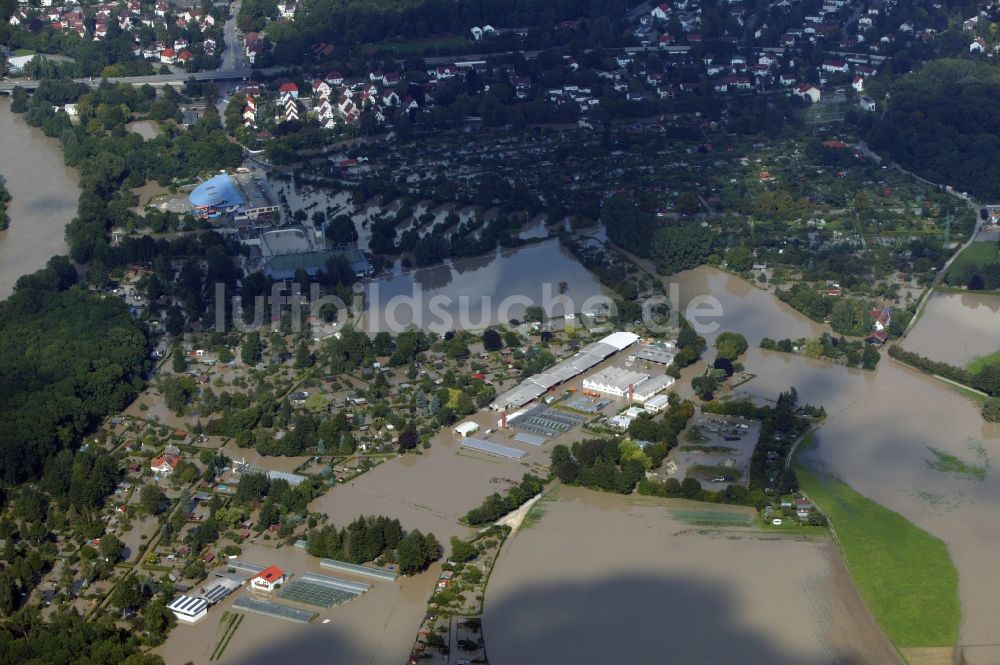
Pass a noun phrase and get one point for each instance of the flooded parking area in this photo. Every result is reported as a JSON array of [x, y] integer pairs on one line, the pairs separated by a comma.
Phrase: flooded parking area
[[606, 578], [715, 450]]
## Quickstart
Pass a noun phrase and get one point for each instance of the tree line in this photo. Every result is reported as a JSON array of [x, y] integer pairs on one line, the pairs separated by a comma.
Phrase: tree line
[[371, 538], [496, 506], [4, 200]]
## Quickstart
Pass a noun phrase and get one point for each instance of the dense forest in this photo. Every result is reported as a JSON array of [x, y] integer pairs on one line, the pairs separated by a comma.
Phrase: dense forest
[[352, 22], [673, 246], [67, 359], [943, 123]]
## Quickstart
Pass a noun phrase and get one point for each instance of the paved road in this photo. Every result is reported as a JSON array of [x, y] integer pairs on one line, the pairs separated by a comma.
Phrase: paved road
[[238, 73]]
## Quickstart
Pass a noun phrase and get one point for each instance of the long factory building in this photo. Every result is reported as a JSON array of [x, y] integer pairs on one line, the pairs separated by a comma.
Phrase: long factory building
[[534, 387]]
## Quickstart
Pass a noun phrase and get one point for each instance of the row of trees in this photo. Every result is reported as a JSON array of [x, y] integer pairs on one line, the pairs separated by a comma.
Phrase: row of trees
[[496, 506], [854, 353], [986, 379], [370, 538], [4, 200]]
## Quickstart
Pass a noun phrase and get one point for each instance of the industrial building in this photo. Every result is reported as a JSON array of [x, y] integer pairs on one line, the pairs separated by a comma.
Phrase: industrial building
[[654, 353], [467, 428], [651, 387], [615, 381], [587, 357], [188, 609]]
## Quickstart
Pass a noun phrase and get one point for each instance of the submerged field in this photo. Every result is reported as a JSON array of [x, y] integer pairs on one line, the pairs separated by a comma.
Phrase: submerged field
[[903, 572], [602, 578]]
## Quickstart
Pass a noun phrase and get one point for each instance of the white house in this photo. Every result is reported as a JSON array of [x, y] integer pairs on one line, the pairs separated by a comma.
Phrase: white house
[[978, 45], [268, 579], [867, 103], [808, 92], [188, 609], [661, 12], [858, 84]]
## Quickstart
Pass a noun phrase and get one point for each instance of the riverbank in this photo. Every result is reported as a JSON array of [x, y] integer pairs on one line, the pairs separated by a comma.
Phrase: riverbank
[[904, 574], [44, 193]]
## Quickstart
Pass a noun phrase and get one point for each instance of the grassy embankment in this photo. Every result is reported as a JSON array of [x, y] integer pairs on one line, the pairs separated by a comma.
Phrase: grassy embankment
[[980, 253], [977, 364], [904, 573]]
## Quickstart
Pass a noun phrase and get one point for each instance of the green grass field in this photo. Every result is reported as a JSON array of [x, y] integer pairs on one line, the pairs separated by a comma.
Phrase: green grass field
[[977, 364], [713, 517], [23, 51], [904, 574], [978, 253]]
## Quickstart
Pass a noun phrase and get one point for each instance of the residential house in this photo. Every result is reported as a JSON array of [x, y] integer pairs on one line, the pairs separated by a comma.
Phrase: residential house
[[164, 465], [661, 12], [808, 92], [267, 579]]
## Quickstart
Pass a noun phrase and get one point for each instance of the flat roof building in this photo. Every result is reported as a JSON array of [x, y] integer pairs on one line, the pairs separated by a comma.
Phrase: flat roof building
[[534, 387], [649, 388], [188, 609], [654, 353]]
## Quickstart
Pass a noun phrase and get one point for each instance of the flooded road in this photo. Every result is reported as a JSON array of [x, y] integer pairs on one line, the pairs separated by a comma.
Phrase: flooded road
[[605, 578], [44, 195]]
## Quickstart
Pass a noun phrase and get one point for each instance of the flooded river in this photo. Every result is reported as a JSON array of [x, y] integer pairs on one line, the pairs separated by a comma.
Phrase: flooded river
[[44, 195], [957, 327], [882, 427]]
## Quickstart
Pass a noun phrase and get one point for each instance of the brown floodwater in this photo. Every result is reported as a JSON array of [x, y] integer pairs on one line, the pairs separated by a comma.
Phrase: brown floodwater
[[378, 628], [878, 437], [44, 195], [605, 578], [723, 302], [957, 327]]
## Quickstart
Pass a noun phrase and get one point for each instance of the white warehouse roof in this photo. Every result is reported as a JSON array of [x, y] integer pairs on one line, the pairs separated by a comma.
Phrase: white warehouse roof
[[466, 428], [621, 340]]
